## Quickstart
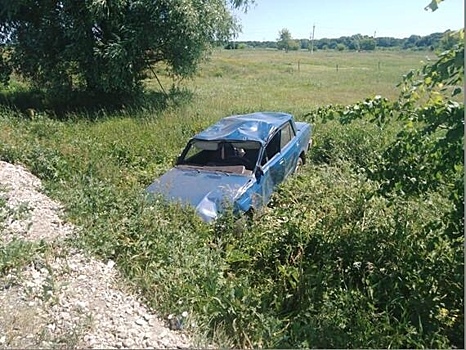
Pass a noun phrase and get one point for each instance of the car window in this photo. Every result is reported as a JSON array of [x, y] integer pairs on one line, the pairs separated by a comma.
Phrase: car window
[[221, 153], [199, 153], [278, 142], [272, 148], [287, 134]]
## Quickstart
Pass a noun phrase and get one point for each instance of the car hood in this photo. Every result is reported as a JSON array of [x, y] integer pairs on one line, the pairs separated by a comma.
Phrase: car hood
[[207, 191]]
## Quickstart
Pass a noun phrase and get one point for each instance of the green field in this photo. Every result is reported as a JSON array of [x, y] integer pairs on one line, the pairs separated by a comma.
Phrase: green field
[[238, 80], [340, 259]]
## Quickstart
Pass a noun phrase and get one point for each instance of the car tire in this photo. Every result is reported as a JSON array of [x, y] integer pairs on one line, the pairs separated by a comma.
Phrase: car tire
[[243, 223], [299, 164], [250, 215]]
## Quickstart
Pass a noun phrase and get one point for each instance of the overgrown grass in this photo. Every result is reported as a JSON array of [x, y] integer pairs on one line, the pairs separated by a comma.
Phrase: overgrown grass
[[332, 263]]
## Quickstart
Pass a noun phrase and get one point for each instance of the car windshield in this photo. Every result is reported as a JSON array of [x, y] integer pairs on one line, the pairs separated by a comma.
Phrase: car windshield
[[237, 157]]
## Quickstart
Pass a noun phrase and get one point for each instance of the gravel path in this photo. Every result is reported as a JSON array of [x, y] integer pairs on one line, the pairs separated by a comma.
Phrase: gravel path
[[64, 298]]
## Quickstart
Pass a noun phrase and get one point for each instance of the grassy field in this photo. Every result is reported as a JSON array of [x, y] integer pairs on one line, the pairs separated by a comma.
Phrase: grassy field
[[230, 82], [333, 263], [238, 80]]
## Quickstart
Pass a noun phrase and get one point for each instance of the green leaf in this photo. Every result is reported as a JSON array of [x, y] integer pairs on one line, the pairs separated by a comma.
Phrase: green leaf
[[456, 91], [433, 6]]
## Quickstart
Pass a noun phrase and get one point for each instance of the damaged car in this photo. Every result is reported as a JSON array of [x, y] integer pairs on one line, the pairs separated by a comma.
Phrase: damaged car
[[237, 162]]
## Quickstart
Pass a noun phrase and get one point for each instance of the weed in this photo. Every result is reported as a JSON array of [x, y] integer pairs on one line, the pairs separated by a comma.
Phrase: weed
[[18, 253]]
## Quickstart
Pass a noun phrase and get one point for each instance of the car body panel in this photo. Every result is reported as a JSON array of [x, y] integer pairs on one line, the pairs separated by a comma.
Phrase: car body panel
[[211, 186], [201, 189], [251, 127]]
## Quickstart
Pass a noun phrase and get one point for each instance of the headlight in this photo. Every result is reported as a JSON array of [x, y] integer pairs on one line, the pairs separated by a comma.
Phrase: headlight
[[207, 210]]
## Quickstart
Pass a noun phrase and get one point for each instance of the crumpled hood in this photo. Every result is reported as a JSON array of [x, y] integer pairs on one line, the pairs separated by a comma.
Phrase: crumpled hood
[[205, 190]]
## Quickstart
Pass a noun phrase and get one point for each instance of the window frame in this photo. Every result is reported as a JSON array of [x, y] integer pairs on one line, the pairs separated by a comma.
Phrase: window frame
[[265, 159], [291, 134]]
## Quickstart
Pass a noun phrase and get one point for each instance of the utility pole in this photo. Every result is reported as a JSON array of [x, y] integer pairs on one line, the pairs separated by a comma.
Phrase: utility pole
[[312, 38]]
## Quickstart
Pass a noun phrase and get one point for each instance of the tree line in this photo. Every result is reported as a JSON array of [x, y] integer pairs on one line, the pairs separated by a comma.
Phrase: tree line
[[357, 42]]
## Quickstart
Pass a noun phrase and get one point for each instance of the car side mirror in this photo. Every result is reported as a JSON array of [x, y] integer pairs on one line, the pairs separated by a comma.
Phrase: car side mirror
[[178, 159]]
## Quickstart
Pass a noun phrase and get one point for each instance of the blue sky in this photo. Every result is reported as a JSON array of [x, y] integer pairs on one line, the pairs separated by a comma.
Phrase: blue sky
[[336, 18]]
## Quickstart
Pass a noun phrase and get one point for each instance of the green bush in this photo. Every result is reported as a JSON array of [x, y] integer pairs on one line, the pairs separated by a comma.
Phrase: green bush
[[335, 266]]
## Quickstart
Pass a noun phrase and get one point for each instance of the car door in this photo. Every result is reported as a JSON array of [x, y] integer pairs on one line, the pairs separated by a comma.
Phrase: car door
[[271, 172], [274, 164], [288, 152]]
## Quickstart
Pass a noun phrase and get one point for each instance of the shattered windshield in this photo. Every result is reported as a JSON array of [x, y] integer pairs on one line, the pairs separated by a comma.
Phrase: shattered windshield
[[230, 156]]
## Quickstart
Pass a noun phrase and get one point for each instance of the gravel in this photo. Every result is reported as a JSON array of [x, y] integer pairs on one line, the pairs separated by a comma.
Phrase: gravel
[[31, 214], [64, 297]]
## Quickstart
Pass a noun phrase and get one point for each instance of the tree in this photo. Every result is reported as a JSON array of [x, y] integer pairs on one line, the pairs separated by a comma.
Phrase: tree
[[304, 44], [293, 45], [367, 44], [385, 42], [284, 41], [448, 41], [106, 47], [322, 44], [411, 42]]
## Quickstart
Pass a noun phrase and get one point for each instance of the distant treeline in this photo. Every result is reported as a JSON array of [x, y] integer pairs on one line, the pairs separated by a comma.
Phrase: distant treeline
[[357, 42]]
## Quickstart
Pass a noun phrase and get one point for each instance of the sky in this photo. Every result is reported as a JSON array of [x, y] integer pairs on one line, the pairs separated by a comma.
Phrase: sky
[[336, 18]]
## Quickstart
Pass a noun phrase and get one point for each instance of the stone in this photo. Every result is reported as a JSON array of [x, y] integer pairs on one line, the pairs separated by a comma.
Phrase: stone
[[140, 322], [128, 343], [81, 304]]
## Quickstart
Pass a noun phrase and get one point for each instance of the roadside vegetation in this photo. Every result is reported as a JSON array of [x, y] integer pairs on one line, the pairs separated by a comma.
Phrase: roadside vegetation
[[362, 249]]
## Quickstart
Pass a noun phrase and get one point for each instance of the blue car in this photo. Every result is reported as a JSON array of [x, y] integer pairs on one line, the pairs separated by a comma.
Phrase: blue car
[[237, 162]]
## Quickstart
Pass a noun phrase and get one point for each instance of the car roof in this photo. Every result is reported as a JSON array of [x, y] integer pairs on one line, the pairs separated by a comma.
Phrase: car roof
[[245, 127]]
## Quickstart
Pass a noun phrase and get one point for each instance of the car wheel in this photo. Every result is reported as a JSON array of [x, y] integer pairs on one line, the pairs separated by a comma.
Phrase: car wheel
[[299, 164], [250, 215], [243, 223]]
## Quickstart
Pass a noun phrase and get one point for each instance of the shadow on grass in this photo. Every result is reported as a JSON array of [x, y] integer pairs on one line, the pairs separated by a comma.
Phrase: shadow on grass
[[91, 106]]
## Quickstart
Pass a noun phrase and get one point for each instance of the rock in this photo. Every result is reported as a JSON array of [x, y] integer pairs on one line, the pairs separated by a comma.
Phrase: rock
[[128, 343], [152, 322], [140, 322], [81, 304]]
